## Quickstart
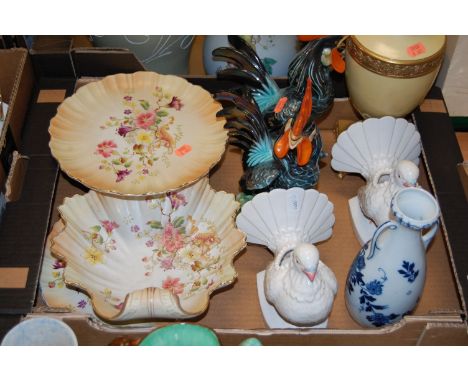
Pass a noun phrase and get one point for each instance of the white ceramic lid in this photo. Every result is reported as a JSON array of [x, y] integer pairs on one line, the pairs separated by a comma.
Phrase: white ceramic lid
[[402, 48]]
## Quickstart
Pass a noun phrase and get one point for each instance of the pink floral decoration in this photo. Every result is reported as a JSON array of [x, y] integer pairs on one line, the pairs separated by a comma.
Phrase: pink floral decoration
[[173, 284], [123, 130], [145, 120], [105, 148], [172, 239], [177, 200], [149, 243], [122, 174], [59, 264], [119, 306], [167, 263], [109, 225], [176, 103]]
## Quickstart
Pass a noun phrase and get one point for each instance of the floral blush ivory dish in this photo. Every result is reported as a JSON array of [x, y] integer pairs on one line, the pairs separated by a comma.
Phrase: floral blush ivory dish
[[53, 289], [160, 257], [138, 134]]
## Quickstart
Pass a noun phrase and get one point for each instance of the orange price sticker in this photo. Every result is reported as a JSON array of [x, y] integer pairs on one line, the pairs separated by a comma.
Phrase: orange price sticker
[[416, 49], [183, 150]]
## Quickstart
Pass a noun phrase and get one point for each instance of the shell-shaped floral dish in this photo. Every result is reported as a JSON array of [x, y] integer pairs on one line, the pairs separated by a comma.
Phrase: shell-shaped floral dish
[[374, 144], [156, 258], [138, 134], [285, 218], [54, 292]]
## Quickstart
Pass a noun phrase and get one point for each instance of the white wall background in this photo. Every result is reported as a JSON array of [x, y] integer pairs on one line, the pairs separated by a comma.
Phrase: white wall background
[[453, 77]]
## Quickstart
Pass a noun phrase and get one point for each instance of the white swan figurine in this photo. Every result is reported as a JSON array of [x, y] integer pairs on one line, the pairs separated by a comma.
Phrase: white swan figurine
[[375, 197], [297, 285], [300, 286], [385, 152]]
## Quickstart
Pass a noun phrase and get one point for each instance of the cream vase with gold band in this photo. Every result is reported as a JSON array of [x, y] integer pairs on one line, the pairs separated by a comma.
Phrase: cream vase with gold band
[[391, 75]]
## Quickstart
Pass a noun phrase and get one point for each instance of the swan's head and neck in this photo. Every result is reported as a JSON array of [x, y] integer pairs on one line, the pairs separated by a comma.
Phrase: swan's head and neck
[[305, 258], [406, 174]]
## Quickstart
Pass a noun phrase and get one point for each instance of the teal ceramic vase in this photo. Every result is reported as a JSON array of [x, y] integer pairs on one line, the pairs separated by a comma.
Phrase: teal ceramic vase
[[276, 52], [161, 54]]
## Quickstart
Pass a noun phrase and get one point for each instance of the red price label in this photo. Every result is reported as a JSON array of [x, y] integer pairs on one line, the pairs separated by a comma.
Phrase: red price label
[[416, 49], [183, 150]]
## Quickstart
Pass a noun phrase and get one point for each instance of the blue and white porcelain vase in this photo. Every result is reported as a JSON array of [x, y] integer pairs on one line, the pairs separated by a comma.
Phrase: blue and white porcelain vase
[[387, 276]]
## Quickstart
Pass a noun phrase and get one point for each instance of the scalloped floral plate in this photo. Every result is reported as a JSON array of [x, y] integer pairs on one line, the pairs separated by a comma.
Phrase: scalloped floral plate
[[138, 134], [159, 257]]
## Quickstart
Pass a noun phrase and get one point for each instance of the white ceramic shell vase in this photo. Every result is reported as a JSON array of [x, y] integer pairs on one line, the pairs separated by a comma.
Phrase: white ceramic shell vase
[[387, 276], [288, 222], [369, 146], [282, 219], [385, 152], [155, 258]]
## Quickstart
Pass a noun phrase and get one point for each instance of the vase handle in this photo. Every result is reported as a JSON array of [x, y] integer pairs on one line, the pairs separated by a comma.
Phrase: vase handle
[[427, 238], [373, 243]]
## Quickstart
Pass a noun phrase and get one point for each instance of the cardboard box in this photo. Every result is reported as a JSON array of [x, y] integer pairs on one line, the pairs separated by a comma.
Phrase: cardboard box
[[67, 56], [234, 313], [16, 83]]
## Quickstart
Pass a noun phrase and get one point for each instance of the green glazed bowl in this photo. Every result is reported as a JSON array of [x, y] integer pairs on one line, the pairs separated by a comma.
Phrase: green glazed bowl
[[187, 335], [181, 335]]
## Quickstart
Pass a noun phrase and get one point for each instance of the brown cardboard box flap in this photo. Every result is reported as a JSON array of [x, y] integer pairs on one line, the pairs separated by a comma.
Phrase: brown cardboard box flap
[[412, 330], [16, 82], [13, 277], [15, 180]]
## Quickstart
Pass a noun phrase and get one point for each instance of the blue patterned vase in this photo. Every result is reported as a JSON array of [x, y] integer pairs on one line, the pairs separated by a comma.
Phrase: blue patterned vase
[[387, 276]]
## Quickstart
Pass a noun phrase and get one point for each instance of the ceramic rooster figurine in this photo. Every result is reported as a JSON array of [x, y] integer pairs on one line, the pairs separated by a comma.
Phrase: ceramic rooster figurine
[[276, 128], [300, 286]]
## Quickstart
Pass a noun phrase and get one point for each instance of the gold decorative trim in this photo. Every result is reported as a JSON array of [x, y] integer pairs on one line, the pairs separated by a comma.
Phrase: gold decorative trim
[[393, 68]]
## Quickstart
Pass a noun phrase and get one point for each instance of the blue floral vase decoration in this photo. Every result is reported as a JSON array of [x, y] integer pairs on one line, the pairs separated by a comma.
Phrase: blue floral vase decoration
[[387, 276]]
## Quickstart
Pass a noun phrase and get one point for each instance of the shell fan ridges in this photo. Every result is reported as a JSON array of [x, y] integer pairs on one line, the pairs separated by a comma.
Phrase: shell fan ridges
[[121, 270], [287, 217], [374, 144]]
